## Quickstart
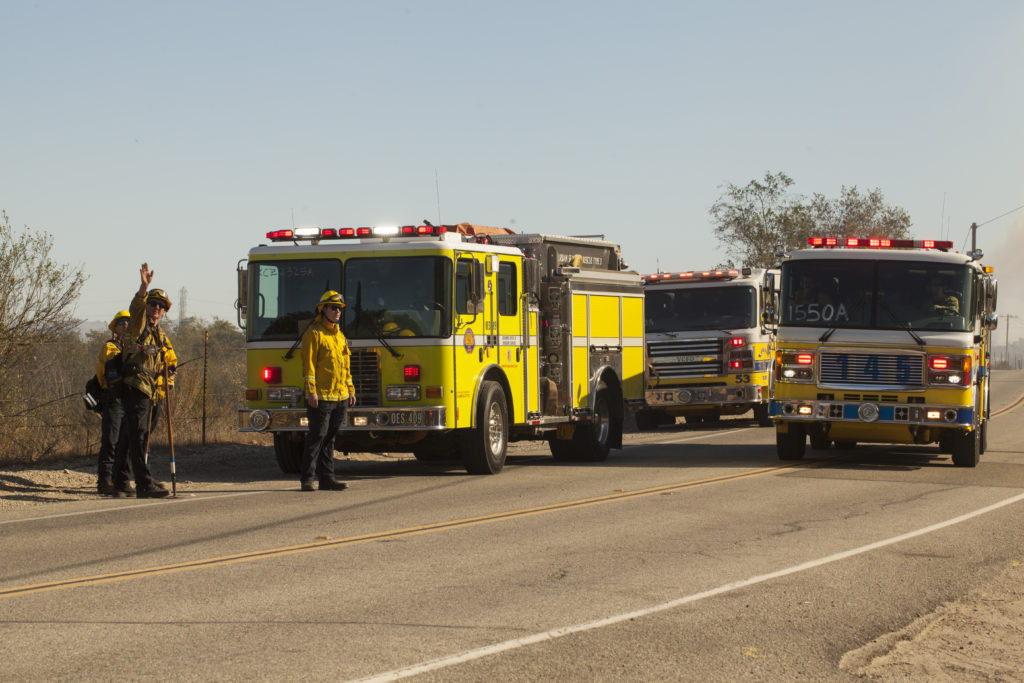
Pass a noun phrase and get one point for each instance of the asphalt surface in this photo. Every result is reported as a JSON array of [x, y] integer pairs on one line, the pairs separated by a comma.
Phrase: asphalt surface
[[690, 554]]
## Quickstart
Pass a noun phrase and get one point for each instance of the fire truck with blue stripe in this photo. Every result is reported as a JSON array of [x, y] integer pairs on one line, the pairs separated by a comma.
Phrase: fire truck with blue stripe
[[708, 352], [463, 338], [883, 341]]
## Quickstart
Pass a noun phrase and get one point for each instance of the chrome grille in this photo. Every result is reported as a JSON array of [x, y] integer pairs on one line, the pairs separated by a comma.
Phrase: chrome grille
[[365, 367], [874, 369], [685, 358]]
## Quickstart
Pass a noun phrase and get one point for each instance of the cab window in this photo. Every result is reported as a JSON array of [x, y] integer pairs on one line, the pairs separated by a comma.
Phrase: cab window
[[507, 294]]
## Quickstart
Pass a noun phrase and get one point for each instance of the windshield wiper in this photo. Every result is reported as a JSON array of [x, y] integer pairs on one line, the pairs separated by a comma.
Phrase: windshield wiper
[[382, 340], [906, 323]]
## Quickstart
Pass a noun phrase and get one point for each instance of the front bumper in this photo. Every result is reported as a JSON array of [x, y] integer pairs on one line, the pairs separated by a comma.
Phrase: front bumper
[[811, 410], [359, 418], [697, 396]]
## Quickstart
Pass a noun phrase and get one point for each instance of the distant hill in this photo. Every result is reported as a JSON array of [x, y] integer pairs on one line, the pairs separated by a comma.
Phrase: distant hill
[[87, 326]]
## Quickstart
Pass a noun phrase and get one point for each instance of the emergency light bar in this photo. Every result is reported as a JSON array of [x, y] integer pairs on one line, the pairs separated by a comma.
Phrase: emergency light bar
[[349, 233], [694, 275], [878, 243]]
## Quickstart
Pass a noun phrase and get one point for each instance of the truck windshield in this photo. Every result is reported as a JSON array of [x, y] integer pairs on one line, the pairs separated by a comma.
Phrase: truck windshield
[[886, 295], [284, 295], [398, 296], [700, 308]]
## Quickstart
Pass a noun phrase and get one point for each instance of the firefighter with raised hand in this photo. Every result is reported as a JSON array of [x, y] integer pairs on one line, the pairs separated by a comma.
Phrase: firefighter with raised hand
[[329, 391], [113, 439], [143, 358]]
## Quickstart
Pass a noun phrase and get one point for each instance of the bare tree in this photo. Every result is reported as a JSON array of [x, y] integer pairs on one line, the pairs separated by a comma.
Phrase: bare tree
[[37, 340], [753, 220]]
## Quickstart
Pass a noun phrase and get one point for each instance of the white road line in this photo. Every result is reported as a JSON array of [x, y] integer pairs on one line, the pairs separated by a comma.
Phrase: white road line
[[130, 507], [470, 655]]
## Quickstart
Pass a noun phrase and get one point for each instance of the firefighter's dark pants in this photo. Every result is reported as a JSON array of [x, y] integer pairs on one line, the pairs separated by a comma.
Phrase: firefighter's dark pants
[[113, 440], [318, 457], [139, 417]]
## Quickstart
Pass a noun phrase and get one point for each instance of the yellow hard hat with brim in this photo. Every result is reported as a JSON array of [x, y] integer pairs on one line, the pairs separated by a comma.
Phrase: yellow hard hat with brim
[[330, 297], [121, 315], [159, 296]]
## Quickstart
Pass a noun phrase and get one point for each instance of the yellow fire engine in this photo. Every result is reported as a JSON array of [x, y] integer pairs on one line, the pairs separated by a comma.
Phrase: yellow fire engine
[[463, 338], [708, 352], [883, 341]]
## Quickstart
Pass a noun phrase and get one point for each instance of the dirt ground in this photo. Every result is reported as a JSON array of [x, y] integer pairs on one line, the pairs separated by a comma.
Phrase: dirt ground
[[977, 638]]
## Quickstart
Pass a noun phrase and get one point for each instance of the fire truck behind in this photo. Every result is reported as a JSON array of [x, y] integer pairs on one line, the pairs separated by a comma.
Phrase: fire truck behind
[[463, 338], [884, 341], [708, 353]]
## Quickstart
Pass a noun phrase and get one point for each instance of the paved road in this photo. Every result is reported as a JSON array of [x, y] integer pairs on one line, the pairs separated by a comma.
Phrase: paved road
[[690, 554]]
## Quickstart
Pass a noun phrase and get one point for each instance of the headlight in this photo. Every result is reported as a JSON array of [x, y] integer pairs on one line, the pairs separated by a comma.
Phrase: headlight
[[402, 392]]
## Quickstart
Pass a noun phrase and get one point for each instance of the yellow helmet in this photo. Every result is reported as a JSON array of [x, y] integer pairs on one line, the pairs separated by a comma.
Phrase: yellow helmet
[[390, 327], [159, 296], [407, 333], [330, 297], [121, 315]]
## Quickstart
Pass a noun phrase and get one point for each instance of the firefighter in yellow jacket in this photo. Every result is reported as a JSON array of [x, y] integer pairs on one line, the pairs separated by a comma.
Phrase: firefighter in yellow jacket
[[329, 391], [144, 356], [113, 439]]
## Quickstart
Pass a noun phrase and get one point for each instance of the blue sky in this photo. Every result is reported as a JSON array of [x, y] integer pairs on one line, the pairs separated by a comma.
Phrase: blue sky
[[180, 133]]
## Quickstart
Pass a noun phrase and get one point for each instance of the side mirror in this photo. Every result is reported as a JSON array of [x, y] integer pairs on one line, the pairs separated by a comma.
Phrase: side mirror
[[531, 278], [241, 303], [768, 313]]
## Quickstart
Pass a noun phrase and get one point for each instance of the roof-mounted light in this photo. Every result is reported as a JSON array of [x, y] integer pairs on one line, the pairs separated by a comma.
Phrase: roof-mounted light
[[692, 275], [879, 243], [383, 231]]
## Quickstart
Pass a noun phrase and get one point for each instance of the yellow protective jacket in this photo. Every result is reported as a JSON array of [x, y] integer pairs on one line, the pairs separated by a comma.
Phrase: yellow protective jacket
[[110, 351], [171, 359], [144, 352], [325, 362]]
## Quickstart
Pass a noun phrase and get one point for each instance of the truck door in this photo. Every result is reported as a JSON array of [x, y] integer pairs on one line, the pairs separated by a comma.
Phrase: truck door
[[475, 329], [510, 334]]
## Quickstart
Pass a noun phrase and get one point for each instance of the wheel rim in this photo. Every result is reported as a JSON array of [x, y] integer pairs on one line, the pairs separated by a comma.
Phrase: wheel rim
[[495, 429]]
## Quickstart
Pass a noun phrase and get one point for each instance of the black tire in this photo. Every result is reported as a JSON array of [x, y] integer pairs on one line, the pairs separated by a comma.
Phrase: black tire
[[846, 444], [713, 417], [591, 441], [646, 420], [694, 419], [820, 442], [486, 444], [561, 450], [288, 447], [792, 444], [762, 416], [967, 448]]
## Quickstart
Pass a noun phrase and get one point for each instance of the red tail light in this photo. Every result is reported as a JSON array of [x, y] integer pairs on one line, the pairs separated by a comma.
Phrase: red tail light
[[272, 375], [940, 363], [805, 359], [412, 373], [737, 341]]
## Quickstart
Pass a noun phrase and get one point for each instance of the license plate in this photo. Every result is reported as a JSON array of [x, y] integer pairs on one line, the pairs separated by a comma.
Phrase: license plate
[[405, 418]]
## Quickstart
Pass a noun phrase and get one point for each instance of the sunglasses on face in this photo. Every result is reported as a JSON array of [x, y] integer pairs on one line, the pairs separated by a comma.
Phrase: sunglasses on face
[[157, 304], [333, 307]]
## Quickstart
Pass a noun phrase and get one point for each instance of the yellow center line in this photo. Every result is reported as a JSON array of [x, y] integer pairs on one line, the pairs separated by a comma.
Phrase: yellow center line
[[1016, 402], [204, 563]]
